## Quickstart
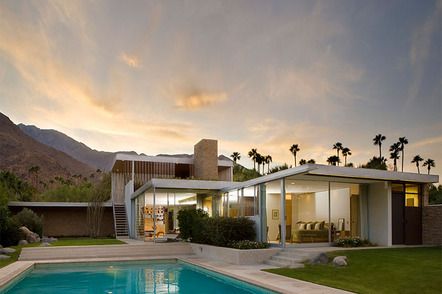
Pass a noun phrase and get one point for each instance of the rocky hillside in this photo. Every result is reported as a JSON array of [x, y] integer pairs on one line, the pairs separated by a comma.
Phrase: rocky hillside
[[79, 151], [19, 153]]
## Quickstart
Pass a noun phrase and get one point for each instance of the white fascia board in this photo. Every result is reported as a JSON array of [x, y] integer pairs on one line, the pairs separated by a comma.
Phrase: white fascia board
[[272, 177], [222, 162], [141, 190], [372, 174], [166, 159], [189, 184], [53, 204]]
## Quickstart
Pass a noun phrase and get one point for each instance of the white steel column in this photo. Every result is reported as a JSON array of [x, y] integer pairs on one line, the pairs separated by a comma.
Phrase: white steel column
[[154, 216], [329, 214], [282, 214]]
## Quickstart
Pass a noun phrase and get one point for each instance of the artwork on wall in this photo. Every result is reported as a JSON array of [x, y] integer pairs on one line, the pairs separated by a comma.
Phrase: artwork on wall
[[275, 213]]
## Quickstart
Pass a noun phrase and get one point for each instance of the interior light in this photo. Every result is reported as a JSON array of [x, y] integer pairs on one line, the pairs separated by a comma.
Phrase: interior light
[[292, 183]]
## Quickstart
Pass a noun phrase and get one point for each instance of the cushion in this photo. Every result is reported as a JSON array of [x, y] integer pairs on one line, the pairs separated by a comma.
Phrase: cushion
[[318, 226], [309, 226], [301, 226]]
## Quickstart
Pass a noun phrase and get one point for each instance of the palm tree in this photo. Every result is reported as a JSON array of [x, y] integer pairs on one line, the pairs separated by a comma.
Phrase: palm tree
[[267, 160], [302, 162], [338, 146], [235, 156], [252, 154], [395, 148], [311, 161], [417, 159], [294, 149], [403, 141], [259, 160], [346, 152], [333, 160], [429, 163], [377, 140]]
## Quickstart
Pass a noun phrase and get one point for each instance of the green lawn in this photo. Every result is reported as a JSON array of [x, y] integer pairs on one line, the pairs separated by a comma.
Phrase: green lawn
[[14, 256], [392, 270], [85, 241]]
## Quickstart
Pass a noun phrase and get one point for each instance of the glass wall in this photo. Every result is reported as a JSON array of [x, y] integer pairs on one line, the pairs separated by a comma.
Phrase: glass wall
[[345, 210], [307, 211], [273, 211]]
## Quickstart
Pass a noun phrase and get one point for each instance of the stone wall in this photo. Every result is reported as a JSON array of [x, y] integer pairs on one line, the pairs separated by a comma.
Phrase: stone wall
[[432, 225], [205, 158], [69, 221]]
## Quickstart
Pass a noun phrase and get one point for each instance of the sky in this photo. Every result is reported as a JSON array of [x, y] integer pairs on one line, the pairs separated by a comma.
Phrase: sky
[[158, 76]]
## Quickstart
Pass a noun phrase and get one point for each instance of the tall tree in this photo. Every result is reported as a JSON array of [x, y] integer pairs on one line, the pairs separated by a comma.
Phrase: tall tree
[[259, 160], [395, 149], [235, 156], [333, 160], [403, 141], [268, 159], [429, 163], [338, 146], [346, 152], [252, 154], [377, 140], [417, 159], [294, 149]]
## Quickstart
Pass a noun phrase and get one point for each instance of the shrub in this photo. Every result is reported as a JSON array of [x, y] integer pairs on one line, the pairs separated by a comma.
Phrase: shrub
[[191, 223], [246, 244], [29, 219], [10, 235], [352, 242], [220, 231]]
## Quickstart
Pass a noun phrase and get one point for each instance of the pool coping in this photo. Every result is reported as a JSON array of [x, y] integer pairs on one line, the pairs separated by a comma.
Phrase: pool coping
[[246, 273]]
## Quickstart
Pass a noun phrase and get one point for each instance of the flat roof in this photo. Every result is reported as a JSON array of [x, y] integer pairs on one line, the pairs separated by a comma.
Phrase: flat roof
[[339, 172], [53, 204], [193, 185], [328, 172], [165, 159]]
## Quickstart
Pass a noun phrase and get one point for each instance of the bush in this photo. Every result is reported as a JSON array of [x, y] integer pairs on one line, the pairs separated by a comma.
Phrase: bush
[[220, 231], [190, 223], [9, 234], [352, 242], [29, 219], [246, 244]]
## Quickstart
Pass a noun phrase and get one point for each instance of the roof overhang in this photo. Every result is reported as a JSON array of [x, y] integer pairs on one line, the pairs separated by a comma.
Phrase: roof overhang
[[120, 157], [52, 204], [183, 185]]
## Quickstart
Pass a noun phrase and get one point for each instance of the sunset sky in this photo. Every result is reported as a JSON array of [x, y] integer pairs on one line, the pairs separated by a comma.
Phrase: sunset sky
[[157, 76]]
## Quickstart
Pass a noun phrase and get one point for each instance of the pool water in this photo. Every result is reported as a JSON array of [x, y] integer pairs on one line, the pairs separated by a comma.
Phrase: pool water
[[165, 276]]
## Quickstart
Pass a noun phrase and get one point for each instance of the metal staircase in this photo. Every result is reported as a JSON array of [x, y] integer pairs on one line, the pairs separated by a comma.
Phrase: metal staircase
[[120, 221]]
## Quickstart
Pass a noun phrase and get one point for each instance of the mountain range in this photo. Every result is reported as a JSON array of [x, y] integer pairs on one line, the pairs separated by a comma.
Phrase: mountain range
[[56, 154], [19, 153]]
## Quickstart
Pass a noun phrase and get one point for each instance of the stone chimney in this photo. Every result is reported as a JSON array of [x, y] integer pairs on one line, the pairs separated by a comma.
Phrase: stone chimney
[[205, 159]]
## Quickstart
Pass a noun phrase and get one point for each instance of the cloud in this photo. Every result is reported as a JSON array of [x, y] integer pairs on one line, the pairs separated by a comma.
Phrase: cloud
[[197, 100], [420, 49], [130, 60], [428, 141]]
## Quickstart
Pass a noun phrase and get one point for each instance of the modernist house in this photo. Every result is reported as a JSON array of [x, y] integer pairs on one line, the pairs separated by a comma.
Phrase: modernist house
[[309, 204]]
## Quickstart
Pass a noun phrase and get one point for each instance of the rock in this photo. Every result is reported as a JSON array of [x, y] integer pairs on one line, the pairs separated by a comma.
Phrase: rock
[[45, 244], [321, 258], [7, 250], [2, 256], [52, 239], [30, 236], [23, 242], [340, 261]]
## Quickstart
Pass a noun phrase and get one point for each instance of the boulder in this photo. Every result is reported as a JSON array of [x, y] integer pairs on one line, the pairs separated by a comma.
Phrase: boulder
[[45, 244], [23, 242], [48, 239], [30, 236], [340, 261], [2, 256], [7, 250], [321, 258]]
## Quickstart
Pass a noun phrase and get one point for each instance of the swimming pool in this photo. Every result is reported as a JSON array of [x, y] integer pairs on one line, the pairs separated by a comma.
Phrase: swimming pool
[[162, 276]]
